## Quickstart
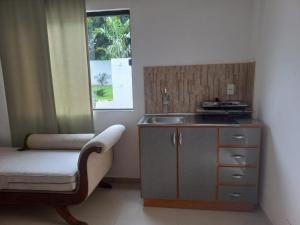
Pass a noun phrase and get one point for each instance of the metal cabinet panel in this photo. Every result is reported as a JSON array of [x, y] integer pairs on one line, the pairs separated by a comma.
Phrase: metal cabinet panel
[[241, 176], [197, 163], [237, 194], [158, 163], [238, 156], [240, 136]]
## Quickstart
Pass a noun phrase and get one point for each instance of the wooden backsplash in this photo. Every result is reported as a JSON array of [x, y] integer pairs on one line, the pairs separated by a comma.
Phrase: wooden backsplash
[[188, 85]]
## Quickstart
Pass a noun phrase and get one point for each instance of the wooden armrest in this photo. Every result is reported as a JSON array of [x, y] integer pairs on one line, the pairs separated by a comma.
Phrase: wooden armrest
[[99, 144], [82, 170], [106, 139]]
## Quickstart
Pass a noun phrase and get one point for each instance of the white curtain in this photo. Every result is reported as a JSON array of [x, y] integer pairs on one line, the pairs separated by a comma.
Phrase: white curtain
[[45, 70], [69, 64]]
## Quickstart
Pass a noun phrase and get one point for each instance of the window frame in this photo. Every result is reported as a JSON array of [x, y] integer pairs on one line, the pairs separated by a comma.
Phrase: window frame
[[108, 13], [118, 12]]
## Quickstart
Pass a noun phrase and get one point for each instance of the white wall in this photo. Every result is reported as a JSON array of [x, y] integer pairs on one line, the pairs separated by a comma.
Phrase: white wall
[[4, 124], [170, 32], [277, 95]]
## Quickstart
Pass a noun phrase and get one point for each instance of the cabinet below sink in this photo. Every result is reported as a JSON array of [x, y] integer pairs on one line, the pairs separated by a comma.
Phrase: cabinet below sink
[[192, 166]]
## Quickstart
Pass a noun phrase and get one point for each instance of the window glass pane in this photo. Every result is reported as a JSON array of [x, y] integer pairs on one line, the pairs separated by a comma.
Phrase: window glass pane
[[110, 59]]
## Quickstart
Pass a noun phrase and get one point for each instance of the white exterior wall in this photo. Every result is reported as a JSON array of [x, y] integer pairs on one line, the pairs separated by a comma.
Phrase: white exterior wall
[[100, 65]]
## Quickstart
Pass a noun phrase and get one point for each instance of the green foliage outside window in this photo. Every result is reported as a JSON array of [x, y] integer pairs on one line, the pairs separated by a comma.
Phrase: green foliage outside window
[[108, 37]]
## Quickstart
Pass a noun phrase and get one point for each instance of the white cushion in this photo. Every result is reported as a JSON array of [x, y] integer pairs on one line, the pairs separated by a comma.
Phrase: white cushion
[[106, 139], [58, 141], [51, 170]]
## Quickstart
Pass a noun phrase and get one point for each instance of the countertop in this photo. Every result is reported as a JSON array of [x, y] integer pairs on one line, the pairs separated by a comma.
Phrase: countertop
[[194, 120]]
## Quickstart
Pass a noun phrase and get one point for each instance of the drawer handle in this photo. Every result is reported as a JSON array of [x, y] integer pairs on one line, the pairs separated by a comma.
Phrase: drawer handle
[[235, 195], [238, 156], [237, 176], [238, 136]]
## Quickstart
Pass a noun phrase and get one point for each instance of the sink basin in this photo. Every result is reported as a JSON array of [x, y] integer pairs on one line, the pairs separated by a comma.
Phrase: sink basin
[[166, 120]]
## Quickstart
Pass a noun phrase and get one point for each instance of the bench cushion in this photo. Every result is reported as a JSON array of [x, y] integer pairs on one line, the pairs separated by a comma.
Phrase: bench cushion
[[57, 141], [47, 170]]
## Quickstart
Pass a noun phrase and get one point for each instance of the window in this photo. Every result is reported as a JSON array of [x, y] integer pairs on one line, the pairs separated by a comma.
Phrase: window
[[109, 46]]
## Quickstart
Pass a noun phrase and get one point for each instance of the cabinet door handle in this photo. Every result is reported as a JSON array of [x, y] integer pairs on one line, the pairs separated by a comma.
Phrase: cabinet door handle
[[238, 156], [180, 138], [237, 176], [239, 136], [174, 138], [235, 195]]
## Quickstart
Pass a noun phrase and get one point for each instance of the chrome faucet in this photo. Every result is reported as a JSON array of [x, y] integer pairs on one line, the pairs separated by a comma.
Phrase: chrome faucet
[[165, 100]]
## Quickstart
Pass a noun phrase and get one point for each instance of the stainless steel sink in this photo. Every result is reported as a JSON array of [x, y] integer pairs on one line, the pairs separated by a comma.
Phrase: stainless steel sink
[[165, 120]]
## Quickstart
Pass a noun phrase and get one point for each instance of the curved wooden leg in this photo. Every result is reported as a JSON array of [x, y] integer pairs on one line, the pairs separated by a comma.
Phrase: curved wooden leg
[[64, 212]]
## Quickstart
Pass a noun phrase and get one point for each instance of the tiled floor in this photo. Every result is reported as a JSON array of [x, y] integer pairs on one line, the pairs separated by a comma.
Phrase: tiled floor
[[122, 205]]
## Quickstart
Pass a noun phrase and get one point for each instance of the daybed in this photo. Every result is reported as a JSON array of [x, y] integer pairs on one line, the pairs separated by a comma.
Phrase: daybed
[[56, 169]]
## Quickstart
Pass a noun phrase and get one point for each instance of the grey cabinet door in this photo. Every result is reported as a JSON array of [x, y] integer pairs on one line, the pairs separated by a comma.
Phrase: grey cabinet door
[[238, 194], [197, 163], [238, 156], [240, 136], [238, 175], [158, 163]]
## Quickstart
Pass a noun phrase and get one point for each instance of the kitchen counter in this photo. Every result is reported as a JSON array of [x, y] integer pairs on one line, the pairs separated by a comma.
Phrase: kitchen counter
[[194, 120]]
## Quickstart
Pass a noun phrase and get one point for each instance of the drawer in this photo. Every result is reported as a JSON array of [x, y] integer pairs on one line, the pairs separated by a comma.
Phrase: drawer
[[237, 194], [240, 136], [231, 175], [238, 156]]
